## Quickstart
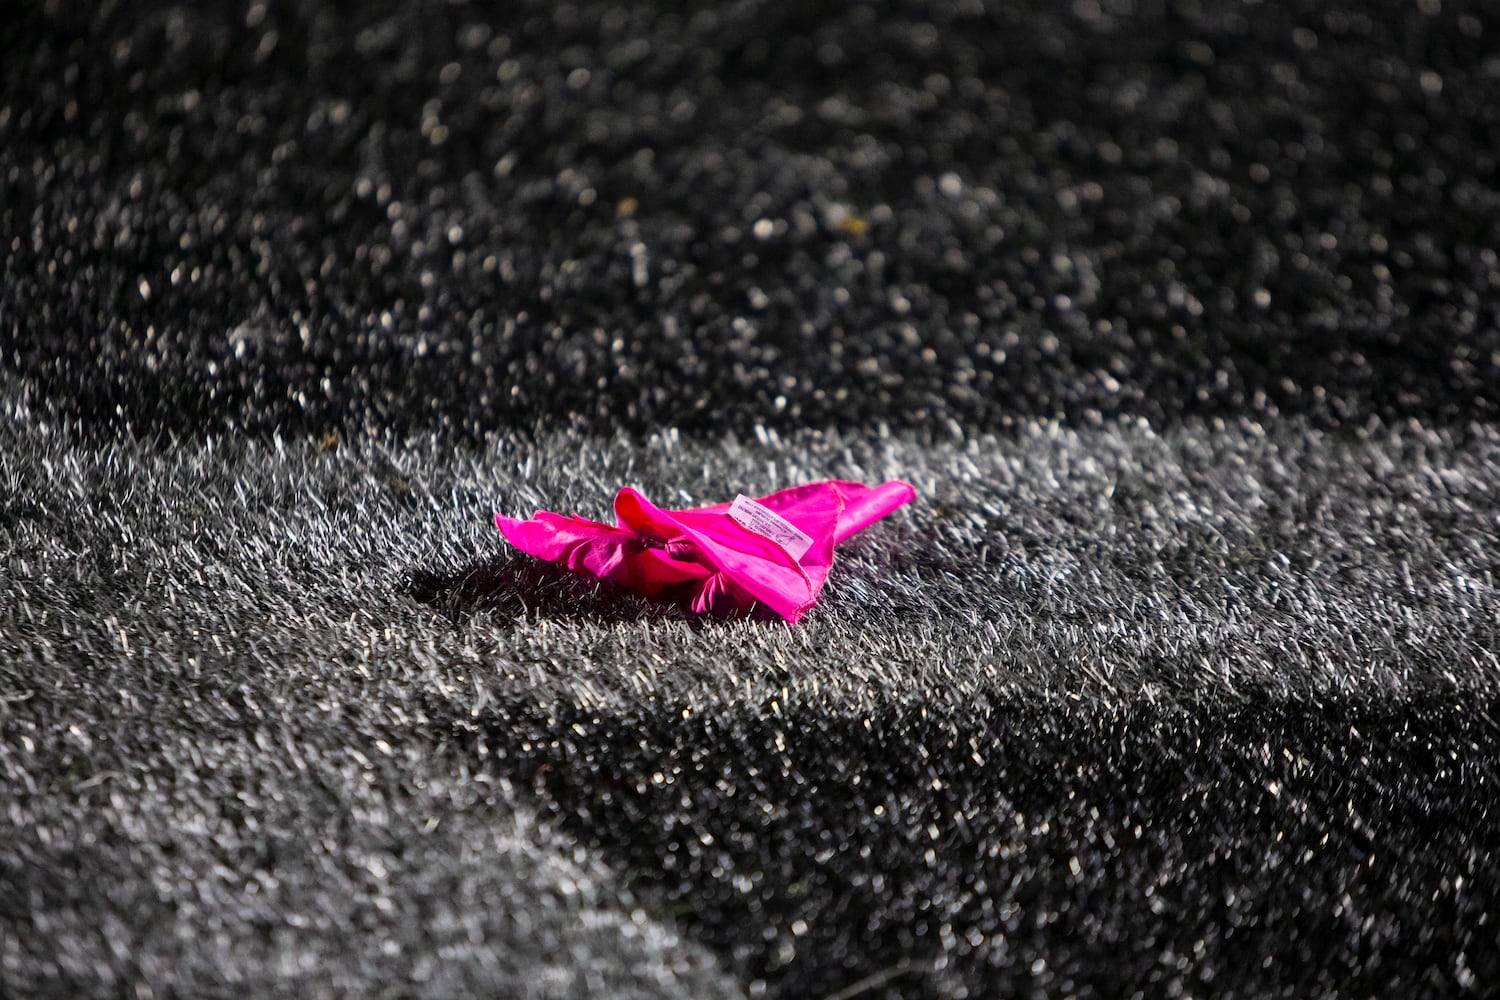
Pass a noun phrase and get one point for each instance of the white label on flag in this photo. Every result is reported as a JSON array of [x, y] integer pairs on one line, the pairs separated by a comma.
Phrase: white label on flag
[[764, 521]]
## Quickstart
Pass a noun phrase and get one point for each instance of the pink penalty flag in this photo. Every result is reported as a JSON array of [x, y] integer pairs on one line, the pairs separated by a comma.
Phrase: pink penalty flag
[[774, 551]]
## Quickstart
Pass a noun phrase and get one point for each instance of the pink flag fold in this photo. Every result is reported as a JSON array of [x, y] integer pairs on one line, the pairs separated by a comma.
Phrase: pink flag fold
[[775, 550]]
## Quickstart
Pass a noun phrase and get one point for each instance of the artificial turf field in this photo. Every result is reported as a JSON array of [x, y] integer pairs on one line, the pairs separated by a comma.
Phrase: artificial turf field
[[1179, 678]]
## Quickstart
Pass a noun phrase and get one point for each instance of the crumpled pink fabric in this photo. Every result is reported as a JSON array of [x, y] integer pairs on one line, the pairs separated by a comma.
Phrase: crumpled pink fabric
[[707, 558]]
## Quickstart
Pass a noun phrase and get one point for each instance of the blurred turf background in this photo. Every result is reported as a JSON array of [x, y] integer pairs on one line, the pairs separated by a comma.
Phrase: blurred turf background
[[1179, 678]]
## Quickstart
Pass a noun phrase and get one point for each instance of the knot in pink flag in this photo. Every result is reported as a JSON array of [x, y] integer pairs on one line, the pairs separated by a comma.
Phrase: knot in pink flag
[[775, 551]]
